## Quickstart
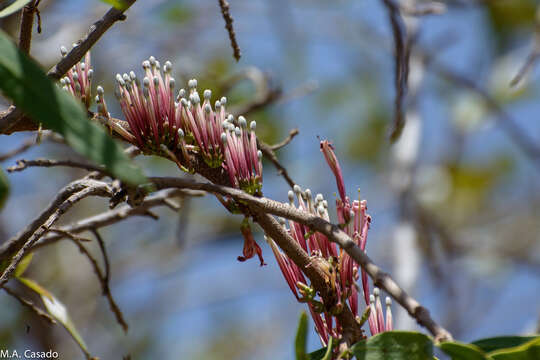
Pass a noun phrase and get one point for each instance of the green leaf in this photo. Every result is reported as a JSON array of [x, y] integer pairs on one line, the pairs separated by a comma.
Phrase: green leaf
[[4, 188], [118, 4], [461, 351], [328, 354], [501, 342], [318, 354], [14, 7], [394, 345], [26, 84], [34, 286], [57, 310], [301, 337], [23, 265], [60, 313], [527, 351]]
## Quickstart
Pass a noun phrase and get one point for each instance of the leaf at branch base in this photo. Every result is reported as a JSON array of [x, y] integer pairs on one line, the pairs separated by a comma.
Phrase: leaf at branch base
[[23, 81], [461, 351], [301, 338], [23, 265], [4, 188], [501, 342], [527, 351], [57, 310], [13, 7], [394, 345], [34, 286]]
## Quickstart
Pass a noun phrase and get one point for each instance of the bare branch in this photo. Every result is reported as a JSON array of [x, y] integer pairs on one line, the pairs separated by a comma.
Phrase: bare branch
[[401, 67], [286, 141], [270, 155], [27, 22], [332, 231], [24, 164], [28, 143], [224, 6], [15, 248], [160, 198], [30, 305], [431, 8], [103, 278], [13, 120]]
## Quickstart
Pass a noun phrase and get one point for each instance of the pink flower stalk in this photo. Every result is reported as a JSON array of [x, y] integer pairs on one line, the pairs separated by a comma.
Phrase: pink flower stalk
[[185, 127], [377, 321], [243, 161], [78, 79], [341, 270]]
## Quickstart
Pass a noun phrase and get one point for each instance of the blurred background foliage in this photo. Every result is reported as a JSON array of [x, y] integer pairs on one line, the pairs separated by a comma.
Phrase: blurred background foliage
[[473, 199]]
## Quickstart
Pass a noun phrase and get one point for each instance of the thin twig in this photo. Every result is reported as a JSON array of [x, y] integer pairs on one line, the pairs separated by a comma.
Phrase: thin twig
[[103, 277], [285, 141], [334, 234], [401, 67], [15, 248], [12, 120], [224, 6], [24, 164], [270, 155], [30, 305], [27, 22], [160, 198]]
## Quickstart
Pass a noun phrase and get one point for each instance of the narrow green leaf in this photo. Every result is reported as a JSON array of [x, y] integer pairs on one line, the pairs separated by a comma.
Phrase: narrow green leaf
[[527, 351], [318, 354], [4, 188], [57, 310], [14, 7], [23, 265], [501, 342], [60, 313], [26, 84], [32, 285], [328, 354], [118, 4], [461, 351], [394, 345], [301, 337]]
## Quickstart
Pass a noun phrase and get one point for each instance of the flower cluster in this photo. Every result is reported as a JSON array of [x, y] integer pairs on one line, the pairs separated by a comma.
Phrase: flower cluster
[[184, 127], [341, 271], [78, 79]]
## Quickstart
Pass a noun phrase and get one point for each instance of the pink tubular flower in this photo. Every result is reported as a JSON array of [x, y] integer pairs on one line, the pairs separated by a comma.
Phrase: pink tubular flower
[[185, 128], [78, 79], [341, 270]]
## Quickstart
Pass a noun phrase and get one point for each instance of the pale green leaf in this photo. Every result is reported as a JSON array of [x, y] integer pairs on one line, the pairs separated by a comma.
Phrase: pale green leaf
[[13, 7], [301, 338], [23, 265]]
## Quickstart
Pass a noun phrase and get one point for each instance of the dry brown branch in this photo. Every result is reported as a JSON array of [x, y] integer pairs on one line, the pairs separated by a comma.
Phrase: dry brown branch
[[160, 198], [102, 277], [30, 305], [27, 22], [28, 143], [24, 164], [224, 7], [401, 67], [285, 141], [15, 248], [13, 120], [263, 206], [270, 155]]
